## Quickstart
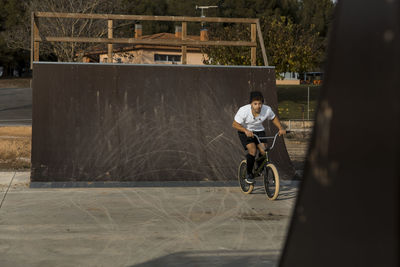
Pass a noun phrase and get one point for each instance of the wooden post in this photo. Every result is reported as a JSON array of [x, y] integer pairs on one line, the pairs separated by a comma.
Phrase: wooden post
[[184, 47], [32, 22], [253, 49], [261, 39], [34, 36], [110, 46]]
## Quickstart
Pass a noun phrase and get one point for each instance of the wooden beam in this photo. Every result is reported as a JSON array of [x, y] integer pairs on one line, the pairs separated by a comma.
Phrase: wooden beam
[[253, 49], [110, 45], [261, 40], [139, 17], [184, 47], [145, 41]]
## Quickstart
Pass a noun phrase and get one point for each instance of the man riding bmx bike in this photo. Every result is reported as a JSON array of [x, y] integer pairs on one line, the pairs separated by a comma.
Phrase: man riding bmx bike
[[249, 121]]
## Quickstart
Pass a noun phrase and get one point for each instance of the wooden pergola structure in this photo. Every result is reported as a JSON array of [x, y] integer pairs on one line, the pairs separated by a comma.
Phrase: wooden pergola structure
[[36, 37]]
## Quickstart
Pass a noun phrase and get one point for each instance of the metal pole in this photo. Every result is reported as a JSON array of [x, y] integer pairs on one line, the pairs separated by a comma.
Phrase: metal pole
[[308, 103]]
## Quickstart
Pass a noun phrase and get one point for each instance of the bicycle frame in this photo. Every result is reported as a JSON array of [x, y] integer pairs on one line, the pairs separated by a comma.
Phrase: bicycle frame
[[266, 160]]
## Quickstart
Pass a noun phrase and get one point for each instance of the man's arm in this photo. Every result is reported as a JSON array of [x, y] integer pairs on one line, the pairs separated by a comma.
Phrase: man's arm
[[277, 123], [240, 128]]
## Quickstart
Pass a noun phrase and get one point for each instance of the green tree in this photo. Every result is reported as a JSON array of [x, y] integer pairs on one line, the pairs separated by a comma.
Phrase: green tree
[[295, 33], [228, 55], [148, 7], [258, 8], [167, 8], [11, 15], [15, 26], [290, 47], [317, 14]]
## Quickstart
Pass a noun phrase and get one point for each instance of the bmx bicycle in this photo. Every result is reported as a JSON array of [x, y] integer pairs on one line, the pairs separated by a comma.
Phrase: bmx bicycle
[[265, 168]]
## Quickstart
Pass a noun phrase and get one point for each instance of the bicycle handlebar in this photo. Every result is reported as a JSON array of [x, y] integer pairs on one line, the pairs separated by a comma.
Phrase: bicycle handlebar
[[269, 137]]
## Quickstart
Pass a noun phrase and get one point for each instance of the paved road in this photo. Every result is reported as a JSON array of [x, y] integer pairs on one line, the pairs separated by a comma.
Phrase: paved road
[[142, 226], [15, 106]]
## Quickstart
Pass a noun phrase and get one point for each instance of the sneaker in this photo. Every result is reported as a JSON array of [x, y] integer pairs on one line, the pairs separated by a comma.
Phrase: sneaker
[[249, 179]]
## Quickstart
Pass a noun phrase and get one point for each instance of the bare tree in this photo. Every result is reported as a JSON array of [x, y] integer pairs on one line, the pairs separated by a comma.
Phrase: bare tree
[[19, 36]]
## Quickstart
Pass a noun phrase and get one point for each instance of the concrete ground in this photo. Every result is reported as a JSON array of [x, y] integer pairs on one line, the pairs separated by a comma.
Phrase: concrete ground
[[141, 226]]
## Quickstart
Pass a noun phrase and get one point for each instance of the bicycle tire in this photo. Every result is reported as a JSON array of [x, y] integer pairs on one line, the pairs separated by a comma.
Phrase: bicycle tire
[[271, 181], [244, 186]]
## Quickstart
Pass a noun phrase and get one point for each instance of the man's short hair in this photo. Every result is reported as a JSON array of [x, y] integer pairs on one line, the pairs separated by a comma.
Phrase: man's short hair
[[256, 95]]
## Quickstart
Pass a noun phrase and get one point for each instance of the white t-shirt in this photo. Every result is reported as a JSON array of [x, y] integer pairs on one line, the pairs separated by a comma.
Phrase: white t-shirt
[[245, 117]]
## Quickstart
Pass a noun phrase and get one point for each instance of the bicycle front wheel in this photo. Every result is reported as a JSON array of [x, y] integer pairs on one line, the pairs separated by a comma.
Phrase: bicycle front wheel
[[271, 181], [244, 186]]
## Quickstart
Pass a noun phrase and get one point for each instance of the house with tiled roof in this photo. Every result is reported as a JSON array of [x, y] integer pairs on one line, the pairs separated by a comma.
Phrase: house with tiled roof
[[149, 53]]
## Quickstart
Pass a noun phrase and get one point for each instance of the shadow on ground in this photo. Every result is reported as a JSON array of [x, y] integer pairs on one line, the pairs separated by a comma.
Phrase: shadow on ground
[[285, 192], [266, 258]]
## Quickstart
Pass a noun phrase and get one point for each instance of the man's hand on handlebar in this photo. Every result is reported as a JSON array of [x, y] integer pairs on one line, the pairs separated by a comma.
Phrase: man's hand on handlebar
[[282, 132], [248, 133]]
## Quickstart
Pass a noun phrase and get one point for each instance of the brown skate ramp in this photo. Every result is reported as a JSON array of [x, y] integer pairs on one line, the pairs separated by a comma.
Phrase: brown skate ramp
[[110, 122]]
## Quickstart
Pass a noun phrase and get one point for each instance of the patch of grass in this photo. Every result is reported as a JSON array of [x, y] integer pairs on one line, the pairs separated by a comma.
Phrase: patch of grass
[[16, 131], [292, 101], [15, 148]]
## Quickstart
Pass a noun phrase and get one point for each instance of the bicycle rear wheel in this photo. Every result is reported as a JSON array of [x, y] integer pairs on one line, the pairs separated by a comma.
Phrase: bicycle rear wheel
[[244, 186], [271, 181]]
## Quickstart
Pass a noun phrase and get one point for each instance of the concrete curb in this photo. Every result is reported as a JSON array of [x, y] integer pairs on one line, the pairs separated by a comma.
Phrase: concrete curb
[[147, 184], [23, 178], [133, 184]]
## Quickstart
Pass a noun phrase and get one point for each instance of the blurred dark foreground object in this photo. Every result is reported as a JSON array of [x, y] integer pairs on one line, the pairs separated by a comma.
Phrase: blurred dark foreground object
[[347, 212]]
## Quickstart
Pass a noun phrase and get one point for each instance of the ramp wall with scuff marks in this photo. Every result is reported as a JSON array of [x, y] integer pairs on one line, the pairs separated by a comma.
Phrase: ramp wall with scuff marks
[[110, 122]]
